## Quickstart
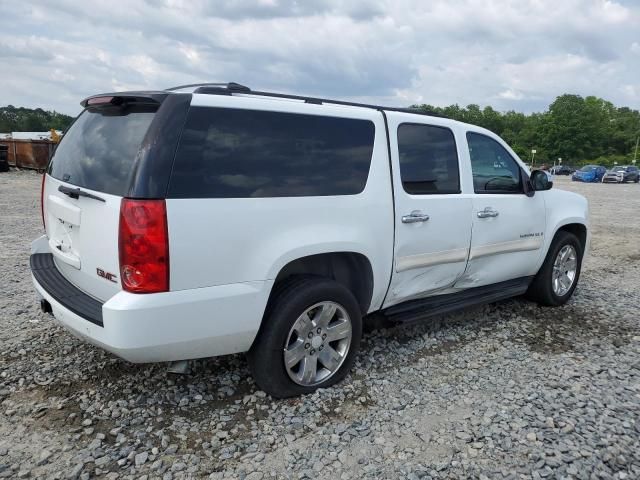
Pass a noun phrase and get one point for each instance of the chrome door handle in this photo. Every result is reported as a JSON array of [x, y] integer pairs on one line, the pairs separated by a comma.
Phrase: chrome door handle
[[415, 217], [488, 212]]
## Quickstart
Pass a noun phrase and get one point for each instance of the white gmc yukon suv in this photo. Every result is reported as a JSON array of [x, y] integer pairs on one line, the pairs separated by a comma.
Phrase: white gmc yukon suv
[[212, 219]]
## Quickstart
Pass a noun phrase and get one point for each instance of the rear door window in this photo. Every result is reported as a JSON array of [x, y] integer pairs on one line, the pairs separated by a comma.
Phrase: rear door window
[[234, 153], [428, 159], [100, 149]]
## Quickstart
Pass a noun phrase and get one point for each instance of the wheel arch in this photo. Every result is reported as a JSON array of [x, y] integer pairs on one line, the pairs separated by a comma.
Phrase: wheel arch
[[351, 269], [578, 229], [540, 289]]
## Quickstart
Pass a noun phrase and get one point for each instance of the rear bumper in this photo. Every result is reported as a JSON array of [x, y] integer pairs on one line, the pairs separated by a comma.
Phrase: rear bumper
[[160, 327], [47, 276]]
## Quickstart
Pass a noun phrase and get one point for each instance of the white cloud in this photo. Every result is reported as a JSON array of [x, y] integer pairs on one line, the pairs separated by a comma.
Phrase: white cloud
[[632, 92], [512, 55], [191, 53], [510, 94]]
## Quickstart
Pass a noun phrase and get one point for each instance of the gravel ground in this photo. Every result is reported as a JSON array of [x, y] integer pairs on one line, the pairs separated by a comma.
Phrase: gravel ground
[[509, 390]]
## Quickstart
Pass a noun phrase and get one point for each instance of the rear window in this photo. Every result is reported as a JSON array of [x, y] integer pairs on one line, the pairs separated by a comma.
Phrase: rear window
[[99, 150], [232, 153], [428, 159]]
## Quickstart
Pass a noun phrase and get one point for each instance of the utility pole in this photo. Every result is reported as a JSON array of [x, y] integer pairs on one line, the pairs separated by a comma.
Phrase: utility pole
[[635, 154]]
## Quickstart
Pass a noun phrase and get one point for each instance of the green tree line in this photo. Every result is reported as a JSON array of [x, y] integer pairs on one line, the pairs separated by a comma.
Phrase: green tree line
[[20, 119], [578, 130]]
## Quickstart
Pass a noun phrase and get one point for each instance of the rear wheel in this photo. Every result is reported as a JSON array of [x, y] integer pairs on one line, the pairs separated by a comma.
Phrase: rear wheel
[[557, 278], [309, 338]]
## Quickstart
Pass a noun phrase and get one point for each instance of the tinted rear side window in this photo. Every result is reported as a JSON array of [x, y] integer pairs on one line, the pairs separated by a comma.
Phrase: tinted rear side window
[[231, 153], [428, 159], [99, 150]]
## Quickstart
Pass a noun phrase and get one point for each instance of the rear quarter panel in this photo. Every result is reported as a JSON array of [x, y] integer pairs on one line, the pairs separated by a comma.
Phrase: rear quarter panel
[[223, 241]]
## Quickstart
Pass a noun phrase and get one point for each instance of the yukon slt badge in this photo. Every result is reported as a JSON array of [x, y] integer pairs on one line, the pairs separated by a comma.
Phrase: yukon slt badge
[[529, 235], [106, 275]]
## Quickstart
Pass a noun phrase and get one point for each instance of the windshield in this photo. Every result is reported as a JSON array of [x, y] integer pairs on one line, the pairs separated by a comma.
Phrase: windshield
[[588, 168], [99, 150], [618, 169]]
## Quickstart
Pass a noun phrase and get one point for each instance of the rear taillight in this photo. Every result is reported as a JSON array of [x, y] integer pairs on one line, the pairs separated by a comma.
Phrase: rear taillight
[[44, 177], [144, 246]]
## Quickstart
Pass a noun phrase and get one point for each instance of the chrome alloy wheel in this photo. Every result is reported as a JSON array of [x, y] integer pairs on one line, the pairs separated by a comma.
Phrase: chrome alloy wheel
[[564, 272], [318, 344]]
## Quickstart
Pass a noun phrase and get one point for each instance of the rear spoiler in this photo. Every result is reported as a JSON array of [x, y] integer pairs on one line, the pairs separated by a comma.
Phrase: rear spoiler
[[122, 98]]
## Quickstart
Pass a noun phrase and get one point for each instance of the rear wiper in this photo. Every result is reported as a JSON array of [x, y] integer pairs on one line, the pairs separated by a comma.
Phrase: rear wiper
[[77, 193]]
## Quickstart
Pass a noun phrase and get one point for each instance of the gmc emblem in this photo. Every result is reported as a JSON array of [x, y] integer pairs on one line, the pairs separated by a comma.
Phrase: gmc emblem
[[106, 275]]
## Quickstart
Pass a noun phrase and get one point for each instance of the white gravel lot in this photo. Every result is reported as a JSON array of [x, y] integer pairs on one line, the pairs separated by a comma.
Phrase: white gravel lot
[[509, 390]]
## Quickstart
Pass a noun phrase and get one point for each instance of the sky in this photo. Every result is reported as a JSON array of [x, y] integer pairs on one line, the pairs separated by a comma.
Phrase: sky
[[510, 54]]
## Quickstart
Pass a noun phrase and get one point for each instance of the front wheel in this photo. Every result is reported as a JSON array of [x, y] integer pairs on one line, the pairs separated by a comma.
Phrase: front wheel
[[309, 338], [557, 278]]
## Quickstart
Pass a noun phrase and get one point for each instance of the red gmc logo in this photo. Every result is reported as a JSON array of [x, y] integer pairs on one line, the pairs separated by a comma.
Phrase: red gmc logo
[[106, 275]]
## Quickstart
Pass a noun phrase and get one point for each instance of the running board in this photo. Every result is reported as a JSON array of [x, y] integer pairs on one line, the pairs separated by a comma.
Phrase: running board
[[423, 308]]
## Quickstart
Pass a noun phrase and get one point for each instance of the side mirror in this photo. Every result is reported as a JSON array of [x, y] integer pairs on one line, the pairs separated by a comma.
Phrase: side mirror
[[540, 180]]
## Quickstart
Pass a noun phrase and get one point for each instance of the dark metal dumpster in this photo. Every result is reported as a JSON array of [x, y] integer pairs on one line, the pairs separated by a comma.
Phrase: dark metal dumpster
[[33, 154], [4, 158]]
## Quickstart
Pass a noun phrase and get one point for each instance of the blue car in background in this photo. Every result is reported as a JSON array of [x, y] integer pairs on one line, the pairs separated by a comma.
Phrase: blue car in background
[[589, 173]]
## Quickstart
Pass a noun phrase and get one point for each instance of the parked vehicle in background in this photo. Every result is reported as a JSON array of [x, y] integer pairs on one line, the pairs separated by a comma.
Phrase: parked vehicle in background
[[562, 170], [622, 174], [589, 173], [213, 219]]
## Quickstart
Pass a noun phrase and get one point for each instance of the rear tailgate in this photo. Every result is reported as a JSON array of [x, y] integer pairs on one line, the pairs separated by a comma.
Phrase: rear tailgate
[[83, 238], [89, 175]]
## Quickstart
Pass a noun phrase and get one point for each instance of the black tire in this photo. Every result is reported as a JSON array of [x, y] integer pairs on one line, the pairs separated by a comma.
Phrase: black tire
[[541, 290], [266, 359]]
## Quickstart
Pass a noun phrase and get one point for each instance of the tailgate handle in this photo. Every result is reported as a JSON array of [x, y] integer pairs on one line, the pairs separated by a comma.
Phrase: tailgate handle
[[76, 193]]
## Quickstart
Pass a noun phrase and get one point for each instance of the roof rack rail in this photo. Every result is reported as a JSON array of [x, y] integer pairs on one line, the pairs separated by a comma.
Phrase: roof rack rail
[[232, 87]]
